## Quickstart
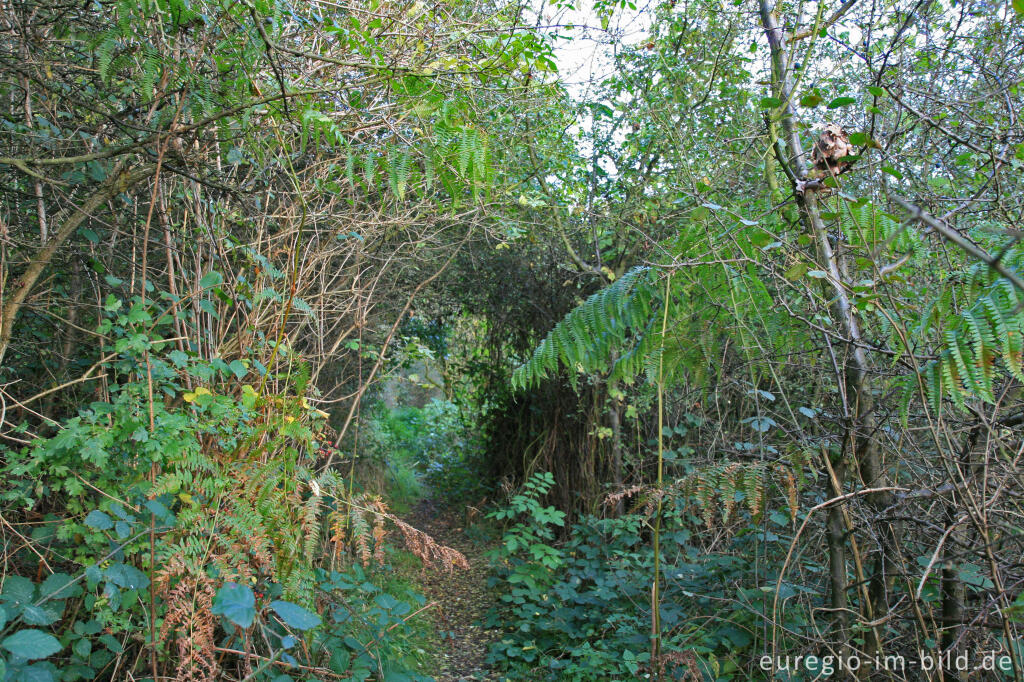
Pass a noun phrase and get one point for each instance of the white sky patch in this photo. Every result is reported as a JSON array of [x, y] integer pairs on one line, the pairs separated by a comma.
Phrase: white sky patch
[[584, 49]]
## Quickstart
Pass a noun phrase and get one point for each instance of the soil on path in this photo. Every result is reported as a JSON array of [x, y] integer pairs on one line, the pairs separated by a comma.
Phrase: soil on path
[[463, 597]]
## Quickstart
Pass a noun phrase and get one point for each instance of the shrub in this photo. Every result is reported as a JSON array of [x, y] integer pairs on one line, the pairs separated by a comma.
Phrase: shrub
[[186, 509], [580, 609]]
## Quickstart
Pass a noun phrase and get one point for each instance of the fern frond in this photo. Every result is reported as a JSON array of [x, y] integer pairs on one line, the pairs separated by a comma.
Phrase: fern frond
[[984, 336], [610, 321]]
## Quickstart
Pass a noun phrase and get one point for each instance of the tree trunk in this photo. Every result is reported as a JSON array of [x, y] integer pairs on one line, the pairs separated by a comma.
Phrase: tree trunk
[[860, 443], [67, 223]]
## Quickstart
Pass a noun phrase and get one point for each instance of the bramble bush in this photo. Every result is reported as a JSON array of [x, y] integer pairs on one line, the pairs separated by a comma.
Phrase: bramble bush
[[579, 609], [186, 510]]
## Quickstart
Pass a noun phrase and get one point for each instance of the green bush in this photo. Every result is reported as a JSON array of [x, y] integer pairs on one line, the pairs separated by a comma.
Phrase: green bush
[[436, 441], [187, 506], [580, 609]]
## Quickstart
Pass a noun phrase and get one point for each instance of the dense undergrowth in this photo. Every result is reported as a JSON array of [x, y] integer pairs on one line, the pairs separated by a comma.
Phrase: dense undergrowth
[[575, 602], [221, 540], [722, 353]]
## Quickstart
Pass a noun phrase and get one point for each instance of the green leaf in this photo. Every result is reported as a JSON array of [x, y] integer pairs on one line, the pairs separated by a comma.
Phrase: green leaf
[[294, 615], [31, 644], [237, 603], [82, 648], [111, 643], [795, 272], [37, 672], [18, 590], [98, 520], [59, 586], [207, 307], [249, 396], [1018, 6], [238, 369], [211, 279], [38, 615], [841, 102], [810, 100], [126, 576], [160, 511], [770, 102]]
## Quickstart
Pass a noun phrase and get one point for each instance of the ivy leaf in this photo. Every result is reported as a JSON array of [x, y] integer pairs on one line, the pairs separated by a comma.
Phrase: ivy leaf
[[295, 616], [237, 603], [31, 644]]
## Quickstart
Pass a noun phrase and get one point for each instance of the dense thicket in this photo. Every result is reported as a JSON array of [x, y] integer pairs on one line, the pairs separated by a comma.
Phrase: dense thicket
[[215, 216], [741, 327]]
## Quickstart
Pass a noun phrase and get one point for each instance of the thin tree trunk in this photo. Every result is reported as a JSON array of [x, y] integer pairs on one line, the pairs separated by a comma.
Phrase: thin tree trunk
[[67, 223], [860, 440]]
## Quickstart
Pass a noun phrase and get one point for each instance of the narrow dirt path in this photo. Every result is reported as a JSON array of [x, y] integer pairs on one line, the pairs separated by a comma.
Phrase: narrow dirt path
[[463, 596]]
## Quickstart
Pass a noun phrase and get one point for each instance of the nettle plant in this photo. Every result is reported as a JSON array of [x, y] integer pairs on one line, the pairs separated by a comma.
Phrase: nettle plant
[[181, 522]]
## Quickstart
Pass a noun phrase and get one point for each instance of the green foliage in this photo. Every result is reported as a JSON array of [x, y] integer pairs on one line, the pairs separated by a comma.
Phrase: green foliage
[[590, 619], [434, 443], [986, 335], [615, 320], [531, 531], [370, 632], [216, 478]]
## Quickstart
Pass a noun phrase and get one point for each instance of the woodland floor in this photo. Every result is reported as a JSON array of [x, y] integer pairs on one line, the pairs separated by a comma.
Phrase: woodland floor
[[463, 597]]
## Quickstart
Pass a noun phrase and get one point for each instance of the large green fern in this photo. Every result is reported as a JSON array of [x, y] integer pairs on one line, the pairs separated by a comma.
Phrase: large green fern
[[986, 335], [611, 330]]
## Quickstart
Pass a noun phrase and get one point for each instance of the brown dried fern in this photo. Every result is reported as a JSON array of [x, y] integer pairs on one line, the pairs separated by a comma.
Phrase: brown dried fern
[[190, 618]]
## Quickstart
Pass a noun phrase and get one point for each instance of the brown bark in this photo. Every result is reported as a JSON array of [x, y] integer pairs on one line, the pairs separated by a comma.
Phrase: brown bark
[[860, 443], [65, 224]]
